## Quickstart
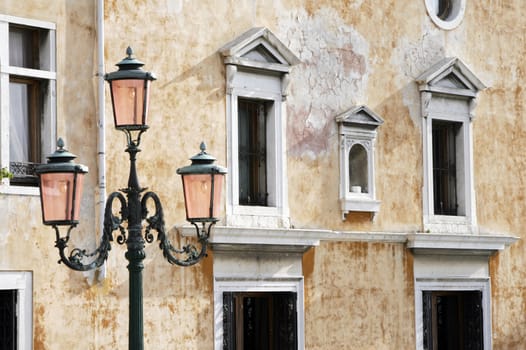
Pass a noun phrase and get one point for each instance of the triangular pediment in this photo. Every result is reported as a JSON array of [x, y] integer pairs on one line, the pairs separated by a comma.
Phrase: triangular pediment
[[450, 75], [360, 116], [259, 48]]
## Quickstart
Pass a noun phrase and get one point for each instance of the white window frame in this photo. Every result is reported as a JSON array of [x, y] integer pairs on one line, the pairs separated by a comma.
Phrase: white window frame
[[275, 133], [22, 282], [441, 100], [269, 285], [455, 18], [48, 137], [453, 284]]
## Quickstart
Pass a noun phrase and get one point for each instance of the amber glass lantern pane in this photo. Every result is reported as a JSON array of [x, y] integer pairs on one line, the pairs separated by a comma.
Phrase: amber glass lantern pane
[[61, 194], [130, 101], [198, 193]]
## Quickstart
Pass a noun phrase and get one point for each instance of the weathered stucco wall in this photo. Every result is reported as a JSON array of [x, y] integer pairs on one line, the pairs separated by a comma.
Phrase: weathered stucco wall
[[357, 295]]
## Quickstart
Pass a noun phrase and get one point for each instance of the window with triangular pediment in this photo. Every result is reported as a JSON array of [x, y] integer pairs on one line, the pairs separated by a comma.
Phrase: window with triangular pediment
[[448, 91], [257, 76]]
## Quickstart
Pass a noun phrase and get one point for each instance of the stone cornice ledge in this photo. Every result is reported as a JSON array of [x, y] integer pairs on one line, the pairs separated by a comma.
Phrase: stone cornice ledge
[[300, 240], [291, 240], [458, 244]]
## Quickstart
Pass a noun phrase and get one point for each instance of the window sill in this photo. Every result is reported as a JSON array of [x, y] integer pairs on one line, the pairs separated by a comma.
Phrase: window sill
[[359, 203], [449, 224], [257, 216], [19, 190]]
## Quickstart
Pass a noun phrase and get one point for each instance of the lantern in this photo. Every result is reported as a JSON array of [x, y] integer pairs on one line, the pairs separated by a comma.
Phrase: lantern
[[129, 88], [61, 182], [202, 187]]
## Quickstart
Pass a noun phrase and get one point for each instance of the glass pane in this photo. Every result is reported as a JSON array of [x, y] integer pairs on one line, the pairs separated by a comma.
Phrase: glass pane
[[358, 169], [197, 192], [128, 100], [445, 168], [19, 109], [57, 196], [23, 51], [252, 151]]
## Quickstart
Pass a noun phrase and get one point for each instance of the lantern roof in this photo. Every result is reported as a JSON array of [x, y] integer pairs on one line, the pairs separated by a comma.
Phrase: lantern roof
[[61, 161]]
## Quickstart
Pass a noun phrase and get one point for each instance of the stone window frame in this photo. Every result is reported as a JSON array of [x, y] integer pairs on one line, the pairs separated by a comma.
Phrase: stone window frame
[[454, 16], [22, 282], [357, 126], [453, 284], [257, 66], [448, 92], [48, 127], [266, 285]]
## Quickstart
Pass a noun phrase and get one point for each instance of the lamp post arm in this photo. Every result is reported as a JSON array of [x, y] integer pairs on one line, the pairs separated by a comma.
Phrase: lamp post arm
[[187, 255], [76, 258]]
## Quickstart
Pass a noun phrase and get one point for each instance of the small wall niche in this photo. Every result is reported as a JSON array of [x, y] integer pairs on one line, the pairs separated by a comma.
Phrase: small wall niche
[[357, 135]]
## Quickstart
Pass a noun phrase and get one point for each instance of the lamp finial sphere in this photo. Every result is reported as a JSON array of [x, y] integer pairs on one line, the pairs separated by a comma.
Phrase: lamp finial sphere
[[129, 52], [202, 147], [60, 143]]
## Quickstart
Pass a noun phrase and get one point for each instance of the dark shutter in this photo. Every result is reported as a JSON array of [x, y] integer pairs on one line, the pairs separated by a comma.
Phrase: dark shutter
[[427, 318], [285, 320], [473, 322], [8, 330], [229, 321]]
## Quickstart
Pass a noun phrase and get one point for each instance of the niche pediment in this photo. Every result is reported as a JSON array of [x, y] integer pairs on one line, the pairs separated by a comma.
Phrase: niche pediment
[[359, 116], [259, 48]]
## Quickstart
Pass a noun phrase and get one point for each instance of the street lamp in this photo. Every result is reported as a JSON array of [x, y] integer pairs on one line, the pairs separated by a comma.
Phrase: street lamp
[[61, 181]]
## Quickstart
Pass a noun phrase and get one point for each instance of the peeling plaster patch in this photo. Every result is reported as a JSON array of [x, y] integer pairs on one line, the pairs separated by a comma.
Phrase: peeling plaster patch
[[174, 6], [331, 78], [414, 58]]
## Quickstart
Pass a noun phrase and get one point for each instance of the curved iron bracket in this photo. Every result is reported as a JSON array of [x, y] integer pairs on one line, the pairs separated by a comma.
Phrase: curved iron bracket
[[187, 255]]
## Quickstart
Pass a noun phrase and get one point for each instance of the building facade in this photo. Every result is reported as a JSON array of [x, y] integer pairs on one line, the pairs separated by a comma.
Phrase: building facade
[[374, 197]]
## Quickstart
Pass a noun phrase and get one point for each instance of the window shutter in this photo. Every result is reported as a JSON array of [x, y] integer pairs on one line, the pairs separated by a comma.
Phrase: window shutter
[[229, 322]]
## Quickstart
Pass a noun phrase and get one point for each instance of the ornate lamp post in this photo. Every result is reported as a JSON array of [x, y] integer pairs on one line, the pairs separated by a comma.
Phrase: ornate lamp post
[[61, 188]]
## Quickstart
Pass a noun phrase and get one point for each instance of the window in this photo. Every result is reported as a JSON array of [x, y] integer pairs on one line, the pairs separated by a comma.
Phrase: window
[[27, 86], [16, 310], [8, 322], [259, 321], [452, 320], [452, 312], [257, 78], [252, 153], [445, 175], [357, 132], [448, 92], [257, 313], [446, 14]]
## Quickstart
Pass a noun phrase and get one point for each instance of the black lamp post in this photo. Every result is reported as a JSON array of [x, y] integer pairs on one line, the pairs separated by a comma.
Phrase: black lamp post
[[61, 189]]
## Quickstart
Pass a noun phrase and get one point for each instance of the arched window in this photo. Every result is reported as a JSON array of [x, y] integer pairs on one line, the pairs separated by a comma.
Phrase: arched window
[[358, 169]]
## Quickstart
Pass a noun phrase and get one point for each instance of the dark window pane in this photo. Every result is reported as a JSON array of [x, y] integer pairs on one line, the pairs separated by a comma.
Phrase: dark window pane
[[445, 167], [452, 320], [444, 9], [259, 321], [23, 47], [252, 150], [8, 329]]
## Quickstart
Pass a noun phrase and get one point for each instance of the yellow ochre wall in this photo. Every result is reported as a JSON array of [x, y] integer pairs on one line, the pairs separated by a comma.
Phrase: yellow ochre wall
[[358, 295]]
